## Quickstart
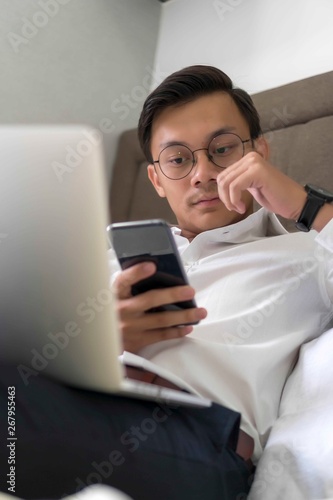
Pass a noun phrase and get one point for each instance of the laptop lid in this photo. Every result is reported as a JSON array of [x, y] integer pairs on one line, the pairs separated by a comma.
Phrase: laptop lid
[[56, 308]]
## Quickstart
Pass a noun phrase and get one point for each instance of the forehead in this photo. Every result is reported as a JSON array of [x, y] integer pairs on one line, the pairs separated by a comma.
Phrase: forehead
[[195, 122]]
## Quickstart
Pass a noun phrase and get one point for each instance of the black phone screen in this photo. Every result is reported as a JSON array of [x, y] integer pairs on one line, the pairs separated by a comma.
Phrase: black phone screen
[[151, 241]]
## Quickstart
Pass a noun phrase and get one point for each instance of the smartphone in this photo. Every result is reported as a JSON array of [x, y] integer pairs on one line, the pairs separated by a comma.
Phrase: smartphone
[[150, 240]]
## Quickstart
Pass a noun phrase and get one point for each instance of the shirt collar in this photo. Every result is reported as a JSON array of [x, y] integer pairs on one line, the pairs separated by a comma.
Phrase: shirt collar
[[256, 226]]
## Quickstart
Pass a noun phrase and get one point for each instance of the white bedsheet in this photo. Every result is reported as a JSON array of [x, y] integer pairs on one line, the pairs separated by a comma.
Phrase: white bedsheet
[[297, 463]]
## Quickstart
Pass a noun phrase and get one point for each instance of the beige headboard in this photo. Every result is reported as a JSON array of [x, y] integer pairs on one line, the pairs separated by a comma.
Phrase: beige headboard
[[297, 120]]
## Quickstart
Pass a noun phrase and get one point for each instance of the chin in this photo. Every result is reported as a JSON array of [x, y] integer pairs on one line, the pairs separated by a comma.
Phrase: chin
[[214, 221], [196, 223]]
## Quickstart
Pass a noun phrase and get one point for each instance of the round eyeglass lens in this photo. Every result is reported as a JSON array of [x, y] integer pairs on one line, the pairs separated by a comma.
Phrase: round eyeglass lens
[[225, 149], [176, 161]]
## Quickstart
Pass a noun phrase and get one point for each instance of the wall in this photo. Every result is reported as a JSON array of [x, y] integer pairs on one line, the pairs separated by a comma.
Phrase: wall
[[77, 61], [261, 44], [70, 61]]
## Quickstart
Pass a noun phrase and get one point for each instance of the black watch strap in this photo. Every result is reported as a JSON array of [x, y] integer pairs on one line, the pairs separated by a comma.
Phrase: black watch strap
[[312, 206]]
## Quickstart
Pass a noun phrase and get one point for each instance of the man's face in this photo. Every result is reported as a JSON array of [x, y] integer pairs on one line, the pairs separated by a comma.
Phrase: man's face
[[194, 199]]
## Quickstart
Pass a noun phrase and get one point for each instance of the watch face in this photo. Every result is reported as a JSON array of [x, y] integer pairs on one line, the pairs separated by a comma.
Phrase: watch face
[[310, 188]]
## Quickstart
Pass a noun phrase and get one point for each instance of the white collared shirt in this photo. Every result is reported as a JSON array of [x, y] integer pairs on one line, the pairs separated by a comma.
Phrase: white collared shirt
[[266, 292]]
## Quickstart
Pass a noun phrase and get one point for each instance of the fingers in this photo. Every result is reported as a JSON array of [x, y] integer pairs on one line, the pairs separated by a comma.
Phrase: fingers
[[138, 340], [244, 175], [155, 298], [141, 328], [156, 327], [127, 278], [158, 320], [270, 187]]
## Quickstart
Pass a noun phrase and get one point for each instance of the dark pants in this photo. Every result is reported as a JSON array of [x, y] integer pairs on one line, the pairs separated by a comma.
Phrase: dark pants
[[69, 438]]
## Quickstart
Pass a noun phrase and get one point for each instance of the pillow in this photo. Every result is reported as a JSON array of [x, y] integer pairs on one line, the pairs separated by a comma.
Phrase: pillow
[[297, 461]]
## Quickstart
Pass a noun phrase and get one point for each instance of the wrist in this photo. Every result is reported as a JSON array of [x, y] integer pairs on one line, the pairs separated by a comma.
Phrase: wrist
[[323, 217], [300, 203], [314, 214]]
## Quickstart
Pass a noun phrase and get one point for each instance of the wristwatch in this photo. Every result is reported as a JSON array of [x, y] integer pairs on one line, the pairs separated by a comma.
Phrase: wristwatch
[[316, 198]]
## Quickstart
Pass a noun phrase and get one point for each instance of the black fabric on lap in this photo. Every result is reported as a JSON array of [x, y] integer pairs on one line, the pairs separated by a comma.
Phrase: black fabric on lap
[[69, 438]]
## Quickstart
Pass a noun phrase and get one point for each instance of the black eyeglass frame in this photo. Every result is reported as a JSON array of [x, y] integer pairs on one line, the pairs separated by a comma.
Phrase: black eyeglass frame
[[200, 149]]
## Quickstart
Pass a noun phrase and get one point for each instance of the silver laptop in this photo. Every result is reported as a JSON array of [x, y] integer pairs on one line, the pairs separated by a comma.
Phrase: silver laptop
[[57, 314]]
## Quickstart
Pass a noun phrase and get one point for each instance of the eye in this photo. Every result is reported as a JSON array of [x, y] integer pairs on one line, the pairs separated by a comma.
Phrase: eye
[[177, 160], [176, 157], [221, 150], [224, 149]]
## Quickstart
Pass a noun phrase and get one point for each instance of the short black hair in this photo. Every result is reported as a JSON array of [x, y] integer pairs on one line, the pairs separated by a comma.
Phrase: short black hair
[[186, 85]]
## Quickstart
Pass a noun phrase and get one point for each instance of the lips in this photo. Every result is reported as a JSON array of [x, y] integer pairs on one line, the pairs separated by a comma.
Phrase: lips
[[207, 200]]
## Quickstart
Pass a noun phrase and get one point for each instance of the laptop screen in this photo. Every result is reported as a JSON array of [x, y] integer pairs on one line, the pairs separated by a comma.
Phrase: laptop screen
[[56, 309]]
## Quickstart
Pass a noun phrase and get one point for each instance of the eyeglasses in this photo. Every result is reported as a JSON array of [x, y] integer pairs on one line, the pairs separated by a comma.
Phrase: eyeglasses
[[177, 161]]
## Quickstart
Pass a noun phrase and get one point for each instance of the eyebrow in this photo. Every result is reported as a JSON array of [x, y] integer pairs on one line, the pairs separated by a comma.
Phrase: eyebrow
[[209, 137]]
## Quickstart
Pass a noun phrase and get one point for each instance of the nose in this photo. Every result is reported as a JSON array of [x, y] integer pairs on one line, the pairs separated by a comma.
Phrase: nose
[[204, 170]]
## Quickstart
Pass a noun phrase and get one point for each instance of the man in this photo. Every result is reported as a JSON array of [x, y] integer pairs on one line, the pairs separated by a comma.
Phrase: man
[[262, 296], [208, 157]]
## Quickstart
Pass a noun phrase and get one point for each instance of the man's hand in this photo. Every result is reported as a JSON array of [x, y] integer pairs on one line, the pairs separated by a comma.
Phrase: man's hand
[[140, 328], [270, 188]]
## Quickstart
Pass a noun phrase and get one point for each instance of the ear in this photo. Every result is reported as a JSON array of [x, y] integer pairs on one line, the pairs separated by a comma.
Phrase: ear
[[262, 147], [153, 177]]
